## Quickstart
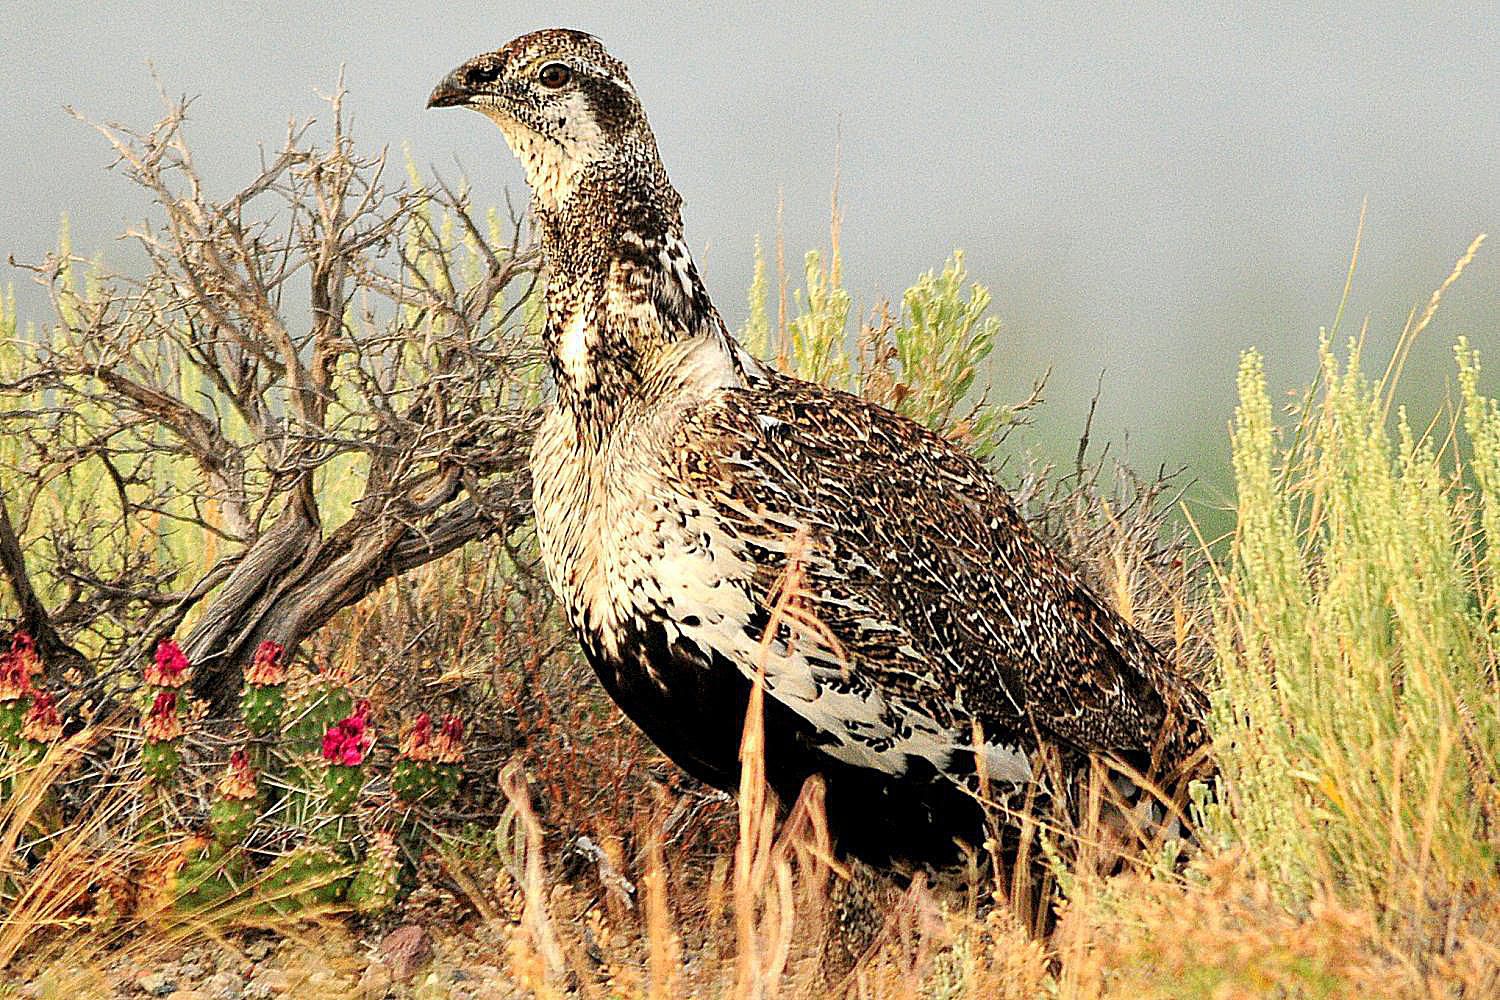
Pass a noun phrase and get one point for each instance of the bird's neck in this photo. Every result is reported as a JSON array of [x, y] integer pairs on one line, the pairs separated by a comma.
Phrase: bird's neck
[[621, 288]]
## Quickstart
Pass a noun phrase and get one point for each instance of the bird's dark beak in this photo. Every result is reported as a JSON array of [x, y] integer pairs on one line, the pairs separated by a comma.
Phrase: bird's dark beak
[[451, 93]]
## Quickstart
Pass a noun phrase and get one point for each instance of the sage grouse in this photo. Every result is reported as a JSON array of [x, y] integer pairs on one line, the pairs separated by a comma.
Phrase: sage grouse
[[941, 644]]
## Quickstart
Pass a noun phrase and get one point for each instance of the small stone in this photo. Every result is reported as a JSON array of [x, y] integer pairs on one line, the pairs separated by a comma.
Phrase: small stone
[[375, 982], [187, 995], [405, 950], [274, 980], [260, 950], [157, 984], [224, 986]]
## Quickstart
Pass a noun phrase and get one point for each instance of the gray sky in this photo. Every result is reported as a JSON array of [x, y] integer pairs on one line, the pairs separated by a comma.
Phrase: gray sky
[[1145, 191]]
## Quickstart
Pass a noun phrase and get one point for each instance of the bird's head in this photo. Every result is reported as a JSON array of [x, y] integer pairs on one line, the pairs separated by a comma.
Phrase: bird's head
[[563, 102]]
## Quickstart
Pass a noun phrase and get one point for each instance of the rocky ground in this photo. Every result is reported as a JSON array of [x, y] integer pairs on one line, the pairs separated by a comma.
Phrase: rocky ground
[[409, 961], [417, 955]]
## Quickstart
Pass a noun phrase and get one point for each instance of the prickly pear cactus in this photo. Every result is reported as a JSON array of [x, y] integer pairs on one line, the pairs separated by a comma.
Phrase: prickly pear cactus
[[414, 775], [412, 780], [429, 765], [264, 697], [448, 755], [210, 878], [309, 877], [161, 751], [11, 714], [344, 746], [314, 703], [158, 885], [343, 784], [160, 761], [192, 875], [40, 727], [237, 801], [376, 883]]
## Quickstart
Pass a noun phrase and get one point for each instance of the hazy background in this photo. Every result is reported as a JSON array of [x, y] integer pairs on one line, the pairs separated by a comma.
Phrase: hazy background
[[1146, 192]]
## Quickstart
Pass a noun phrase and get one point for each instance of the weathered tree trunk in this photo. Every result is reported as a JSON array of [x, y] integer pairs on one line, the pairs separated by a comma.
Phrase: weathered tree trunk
[[293, 579]]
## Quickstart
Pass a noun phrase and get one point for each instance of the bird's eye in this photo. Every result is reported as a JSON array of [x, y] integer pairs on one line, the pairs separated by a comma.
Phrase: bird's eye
[[554, 75], [481, 75]]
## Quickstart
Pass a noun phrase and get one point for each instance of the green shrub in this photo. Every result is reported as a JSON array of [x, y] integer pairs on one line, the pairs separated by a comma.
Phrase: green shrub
[[1357, 722]]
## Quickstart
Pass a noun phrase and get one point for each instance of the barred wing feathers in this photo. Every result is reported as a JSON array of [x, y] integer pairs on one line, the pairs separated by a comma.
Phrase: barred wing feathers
[[947, 610]]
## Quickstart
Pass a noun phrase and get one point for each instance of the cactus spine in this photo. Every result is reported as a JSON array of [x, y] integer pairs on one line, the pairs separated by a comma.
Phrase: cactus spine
[[314, 702]]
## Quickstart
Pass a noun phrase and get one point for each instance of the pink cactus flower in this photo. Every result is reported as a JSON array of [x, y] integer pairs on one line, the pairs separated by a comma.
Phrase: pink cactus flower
[[15, 678], [170, 668], [18, 667], [238, 780], [347, 741]]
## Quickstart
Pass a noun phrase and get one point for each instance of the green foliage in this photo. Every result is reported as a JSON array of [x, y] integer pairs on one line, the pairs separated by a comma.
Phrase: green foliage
[[942, 339], [923, 361], [1357, 723], [1481, 422], [756, 335], [153, 516], [819, 330]]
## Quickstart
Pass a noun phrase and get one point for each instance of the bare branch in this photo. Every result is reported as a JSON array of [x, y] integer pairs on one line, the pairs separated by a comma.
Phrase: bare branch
[[400, 384]]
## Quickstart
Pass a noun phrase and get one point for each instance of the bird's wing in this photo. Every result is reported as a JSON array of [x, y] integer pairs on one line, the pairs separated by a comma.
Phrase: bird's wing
[[942, 605]]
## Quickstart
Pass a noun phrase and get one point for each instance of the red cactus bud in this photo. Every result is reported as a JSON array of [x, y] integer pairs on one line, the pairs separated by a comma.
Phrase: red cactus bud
[[448, 745], [18, 666], [416, 742], [43, 724], [170, 669], [348, 740], [238, 780], [267, 669], [162, 723], [15, 679]]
